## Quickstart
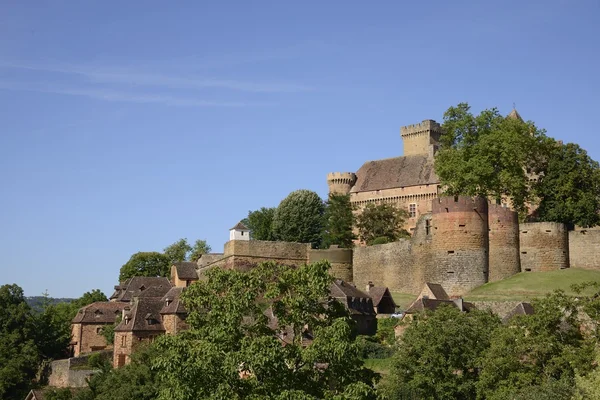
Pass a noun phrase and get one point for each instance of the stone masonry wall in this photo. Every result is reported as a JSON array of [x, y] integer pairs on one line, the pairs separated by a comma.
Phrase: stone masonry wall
[[504, 242], [340, 260], [544, 246], [388, 265], [62, 375], [459, 244], [584, 248], [91, 339]]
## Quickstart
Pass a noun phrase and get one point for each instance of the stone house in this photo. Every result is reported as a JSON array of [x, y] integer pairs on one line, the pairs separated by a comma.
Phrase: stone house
[[183, 273], [359, 305], [87, 326], [141, 286], [382, 299]]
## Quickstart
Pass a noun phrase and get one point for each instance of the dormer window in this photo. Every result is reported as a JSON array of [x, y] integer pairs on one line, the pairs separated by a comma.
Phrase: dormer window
[[97, 313], [142, 288], [167, 302]]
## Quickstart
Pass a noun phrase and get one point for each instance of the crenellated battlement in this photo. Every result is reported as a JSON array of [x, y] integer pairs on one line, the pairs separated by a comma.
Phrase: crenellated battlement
[[341, 182], [459, 204], [426, 125]]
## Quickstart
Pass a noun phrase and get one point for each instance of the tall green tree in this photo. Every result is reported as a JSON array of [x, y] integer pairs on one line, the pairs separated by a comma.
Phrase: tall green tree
[[569, 189], [438, 356], [178, 251], [199, 248], [299, 218], [489, 155], [260, 223], [19, 355], [234, 351], [381, 223], [542, 350], [339, 221], [145, 264]]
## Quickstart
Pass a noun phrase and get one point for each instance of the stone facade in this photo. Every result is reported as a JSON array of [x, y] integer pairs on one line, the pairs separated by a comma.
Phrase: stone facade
[[544, 246], [504, 242], [62, 374], [89, 338], [340, 260], [584, 248]]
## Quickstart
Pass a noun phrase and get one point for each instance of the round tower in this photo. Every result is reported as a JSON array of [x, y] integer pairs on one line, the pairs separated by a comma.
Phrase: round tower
[[544, 246], [340, 182], [504, 242], [459, 244]]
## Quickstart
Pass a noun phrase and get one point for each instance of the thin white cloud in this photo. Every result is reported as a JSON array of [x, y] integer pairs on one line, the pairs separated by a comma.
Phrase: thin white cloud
[[173, 81], [120, 96]]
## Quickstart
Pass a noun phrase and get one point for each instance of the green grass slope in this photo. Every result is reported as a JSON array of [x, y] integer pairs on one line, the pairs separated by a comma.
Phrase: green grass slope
[[529, 285]]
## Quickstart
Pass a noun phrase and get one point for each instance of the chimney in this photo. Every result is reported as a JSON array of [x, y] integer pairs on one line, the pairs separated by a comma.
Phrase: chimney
[[369, 286]]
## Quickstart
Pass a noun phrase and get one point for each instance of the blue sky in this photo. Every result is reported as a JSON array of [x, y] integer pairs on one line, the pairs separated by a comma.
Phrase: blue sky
[[125, 126]]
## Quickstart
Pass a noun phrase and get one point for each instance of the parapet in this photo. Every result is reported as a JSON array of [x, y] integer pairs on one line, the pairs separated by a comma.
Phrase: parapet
[[426, 125], [501, 214], [348, 178], [459, 204]]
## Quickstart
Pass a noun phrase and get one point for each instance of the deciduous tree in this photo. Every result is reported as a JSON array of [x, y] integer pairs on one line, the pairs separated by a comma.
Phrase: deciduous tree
[[569, 189], [178, 251], [200, 247], [381, 223], [299, 218], [145, 264], [260, 223]]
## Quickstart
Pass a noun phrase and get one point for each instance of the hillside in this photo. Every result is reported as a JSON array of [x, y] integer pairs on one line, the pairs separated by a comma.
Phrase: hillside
[[528, 285]]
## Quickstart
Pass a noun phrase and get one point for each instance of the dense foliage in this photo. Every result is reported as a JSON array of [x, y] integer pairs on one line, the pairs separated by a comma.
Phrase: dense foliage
[[181, 250], [260, 223], [489, 155], [299, 218], [381, 223], [338, 221], [145, 264], [569, 190]]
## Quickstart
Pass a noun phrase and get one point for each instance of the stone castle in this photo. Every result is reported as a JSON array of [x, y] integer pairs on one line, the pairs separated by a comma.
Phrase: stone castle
[[457, 243]]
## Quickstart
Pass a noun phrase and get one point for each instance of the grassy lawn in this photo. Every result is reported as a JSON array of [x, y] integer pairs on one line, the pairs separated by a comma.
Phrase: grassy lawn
[[403, 300], [529, 285], [380, 365]]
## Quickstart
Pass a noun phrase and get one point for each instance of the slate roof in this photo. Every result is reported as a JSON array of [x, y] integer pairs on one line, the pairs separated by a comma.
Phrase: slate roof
[[395, 172], [240, 227], [514, 114], [378, 292], [141, 286], [356, 301], [186, 270], [101, 312], [175, 305], [438, 291], [520, 309], [432, 304], [144, 315]]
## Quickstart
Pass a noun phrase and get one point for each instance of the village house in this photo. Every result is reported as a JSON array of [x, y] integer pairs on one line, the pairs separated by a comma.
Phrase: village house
[[88, 325], [382, 299]]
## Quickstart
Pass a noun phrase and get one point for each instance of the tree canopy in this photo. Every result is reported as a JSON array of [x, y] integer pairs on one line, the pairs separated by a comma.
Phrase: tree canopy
[[338, 221], [569, 190], [381, 223], [299, 218], [181, 250], [260, 223], [489, 155], [145, 264]]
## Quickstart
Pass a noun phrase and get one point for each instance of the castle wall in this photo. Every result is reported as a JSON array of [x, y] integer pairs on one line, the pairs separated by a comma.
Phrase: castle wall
[[418, 138], [584, 249], [504, 242], [340, 260], [62, 375], [422, 196], [459, 244], [388, 265], [544, 246]]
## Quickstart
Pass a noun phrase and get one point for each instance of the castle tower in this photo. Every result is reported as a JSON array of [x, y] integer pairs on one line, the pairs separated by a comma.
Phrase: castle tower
[[504, 242], [239, 232], [544, 246], [459, 244], [421, 139], [340, 182]]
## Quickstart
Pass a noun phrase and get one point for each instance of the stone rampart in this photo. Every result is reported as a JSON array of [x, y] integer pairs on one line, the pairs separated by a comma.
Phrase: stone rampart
[[544, 246], [390, 265], [504, 242], [340, 260], [460, 244], [584, 248], [285, 251], [62, 374]]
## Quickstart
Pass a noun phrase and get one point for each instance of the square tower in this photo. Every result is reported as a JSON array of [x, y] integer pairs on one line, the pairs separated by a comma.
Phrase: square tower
[[421, 139]]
